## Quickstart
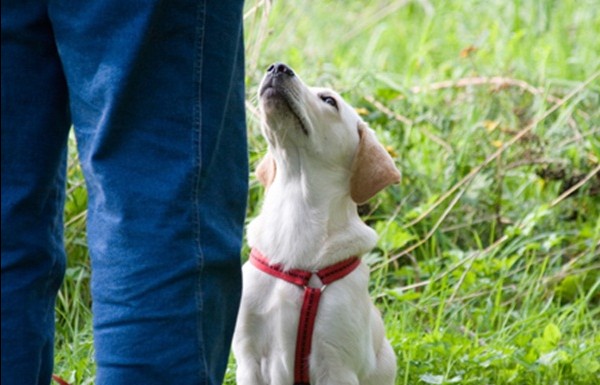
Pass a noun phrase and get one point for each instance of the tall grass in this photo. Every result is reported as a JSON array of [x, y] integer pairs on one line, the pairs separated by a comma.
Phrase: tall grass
[[487, 269]]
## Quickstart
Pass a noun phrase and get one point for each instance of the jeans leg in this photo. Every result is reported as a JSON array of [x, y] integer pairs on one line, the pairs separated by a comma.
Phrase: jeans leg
[[35, 124], [157, 100]]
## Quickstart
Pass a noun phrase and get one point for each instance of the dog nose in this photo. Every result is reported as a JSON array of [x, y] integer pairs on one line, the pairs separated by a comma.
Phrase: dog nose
[[277, 68]]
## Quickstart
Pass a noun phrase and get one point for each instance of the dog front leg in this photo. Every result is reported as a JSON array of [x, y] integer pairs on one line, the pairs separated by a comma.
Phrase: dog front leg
[[248, 372], [248, 360], [246, 340], [337, 378], [385, 370]]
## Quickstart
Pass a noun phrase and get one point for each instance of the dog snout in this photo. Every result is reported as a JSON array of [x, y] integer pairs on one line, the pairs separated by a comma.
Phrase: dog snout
[[280, 68]]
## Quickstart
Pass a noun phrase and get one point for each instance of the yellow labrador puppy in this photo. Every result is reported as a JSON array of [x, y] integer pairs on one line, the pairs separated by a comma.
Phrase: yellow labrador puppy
[[306, 316]]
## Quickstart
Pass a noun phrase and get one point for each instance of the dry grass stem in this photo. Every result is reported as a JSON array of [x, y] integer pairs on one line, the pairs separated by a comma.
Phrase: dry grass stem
[[497, 81]]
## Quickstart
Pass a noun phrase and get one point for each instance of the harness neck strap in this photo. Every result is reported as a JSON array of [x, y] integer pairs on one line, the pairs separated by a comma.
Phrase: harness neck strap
[[310, 304]]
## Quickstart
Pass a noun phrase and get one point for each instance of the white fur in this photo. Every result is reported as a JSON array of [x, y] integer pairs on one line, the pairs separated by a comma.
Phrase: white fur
[[308, 221]]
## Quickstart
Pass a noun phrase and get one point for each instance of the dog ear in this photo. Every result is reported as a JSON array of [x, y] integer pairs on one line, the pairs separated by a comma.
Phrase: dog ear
[[265, 171], [373, 168]]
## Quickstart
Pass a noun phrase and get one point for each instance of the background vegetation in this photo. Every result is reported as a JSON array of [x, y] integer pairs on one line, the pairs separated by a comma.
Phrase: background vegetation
[[487, 270]]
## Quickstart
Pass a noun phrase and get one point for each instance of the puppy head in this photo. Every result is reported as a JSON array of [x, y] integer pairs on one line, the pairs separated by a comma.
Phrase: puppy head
[[318, 126], [313, 120]]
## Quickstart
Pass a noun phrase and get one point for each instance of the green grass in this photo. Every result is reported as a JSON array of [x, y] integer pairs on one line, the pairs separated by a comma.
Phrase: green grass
[[487, 270]]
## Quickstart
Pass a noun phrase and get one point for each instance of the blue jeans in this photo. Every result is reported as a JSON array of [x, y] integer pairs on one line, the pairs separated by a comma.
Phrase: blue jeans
[[155, 93]]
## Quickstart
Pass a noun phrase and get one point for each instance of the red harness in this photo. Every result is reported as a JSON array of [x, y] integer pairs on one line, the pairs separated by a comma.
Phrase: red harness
[[310, 304]]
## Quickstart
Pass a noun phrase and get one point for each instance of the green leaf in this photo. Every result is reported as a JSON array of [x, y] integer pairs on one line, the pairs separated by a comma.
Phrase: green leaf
[[392, 236], [585, 365], [552, 334], [404, 295], [541, 346]]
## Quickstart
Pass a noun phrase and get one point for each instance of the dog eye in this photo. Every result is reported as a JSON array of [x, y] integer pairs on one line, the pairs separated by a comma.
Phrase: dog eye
[[329, 100]]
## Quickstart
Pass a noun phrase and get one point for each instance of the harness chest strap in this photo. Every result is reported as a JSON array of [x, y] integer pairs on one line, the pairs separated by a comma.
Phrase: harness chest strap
[[310, 303]]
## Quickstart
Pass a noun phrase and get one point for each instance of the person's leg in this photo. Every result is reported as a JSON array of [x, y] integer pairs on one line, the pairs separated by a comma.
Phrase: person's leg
[[35, 124], [157, 99]]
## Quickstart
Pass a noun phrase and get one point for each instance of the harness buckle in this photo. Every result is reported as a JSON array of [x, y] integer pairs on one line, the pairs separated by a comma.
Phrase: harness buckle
[[315, 282]]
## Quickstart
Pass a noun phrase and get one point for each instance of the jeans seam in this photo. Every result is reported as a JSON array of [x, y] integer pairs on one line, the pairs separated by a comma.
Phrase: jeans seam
[[197, 154], [232, 79]]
